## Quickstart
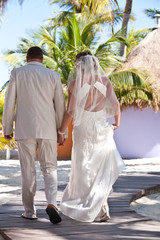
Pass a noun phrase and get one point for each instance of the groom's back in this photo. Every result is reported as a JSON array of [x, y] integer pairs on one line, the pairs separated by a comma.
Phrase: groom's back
[[35, 114]]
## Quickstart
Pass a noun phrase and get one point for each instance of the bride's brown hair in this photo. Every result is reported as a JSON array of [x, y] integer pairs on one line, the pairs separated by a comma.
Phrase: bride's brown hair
[[85, 53]]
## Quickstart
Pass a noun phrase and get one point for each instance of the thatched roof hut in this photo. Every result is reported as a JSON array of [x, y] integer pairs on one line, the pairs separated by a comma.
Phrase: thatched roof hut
[[146, 56]]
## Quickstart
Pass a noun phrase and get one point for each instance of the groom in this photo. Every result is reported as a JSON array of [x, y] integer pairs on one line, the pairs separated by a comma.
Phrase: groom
[[35, 99]]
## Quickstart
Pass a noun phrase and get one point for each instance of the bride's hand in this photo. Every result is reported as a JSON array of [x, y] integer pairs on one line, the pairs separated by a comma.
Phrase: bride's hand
[[115, 126], [61, 140]]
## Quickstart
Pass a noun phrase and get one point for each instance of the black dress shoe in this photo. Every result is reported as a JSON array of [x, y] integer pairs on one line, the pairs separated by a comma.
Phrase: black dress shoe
[[53, 215]]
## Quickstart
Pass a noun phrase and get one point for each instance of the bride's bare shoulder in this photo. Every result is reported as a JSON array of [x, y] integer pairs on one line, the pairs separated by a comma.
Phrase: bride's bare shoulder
[[71, 85]]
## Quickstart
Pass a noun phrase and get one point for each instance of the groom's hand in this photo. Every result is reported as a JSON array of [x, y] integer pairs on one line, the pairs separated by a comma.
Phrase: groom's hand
[[8, 137]]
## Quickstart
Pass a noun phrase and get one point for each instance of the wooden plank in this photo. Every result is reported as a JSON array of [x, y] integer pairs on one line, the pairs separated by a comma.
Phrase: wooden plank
[[124, 222]]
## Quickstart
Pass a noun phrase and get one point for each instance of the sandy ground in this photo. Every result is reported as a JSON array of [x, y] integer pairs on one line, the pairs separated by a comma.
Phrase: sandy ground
[[10, 182]]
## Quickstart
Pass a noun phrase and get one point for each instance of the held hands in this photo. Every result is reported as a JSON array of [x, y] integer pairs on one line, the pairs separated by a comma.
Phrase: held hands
[[9, 137], [60, 139]]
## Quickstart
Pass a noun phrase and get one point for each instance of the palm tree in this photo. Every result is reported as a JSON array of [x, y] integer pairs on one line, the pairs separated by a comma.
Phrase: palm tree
[[60, 48], [93, 7], [3, 5], [132, 88], [106, 11], [126, 17]]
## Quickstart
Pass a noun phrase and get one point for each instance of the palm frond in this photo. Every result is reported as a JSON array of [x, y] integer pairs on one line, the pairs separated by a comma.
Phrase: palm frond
[[61, 3], [151, 12], [16, 59], [108, 61], [133, 89], [73, 32], [59, 19], [95, 9], [49, 62], [46, 38], [116, 38], [134, 37], [88, 34]]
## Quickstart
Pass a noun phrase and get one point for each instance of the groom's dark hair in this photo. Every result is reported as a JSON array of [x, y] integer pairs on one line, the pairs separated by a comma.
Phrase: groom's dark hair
[[34, 53]]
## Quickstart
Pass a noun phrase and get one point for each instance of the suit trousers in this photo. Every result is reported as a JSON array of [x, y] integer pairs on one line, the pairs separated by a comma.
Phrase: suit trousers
[[47, 157]]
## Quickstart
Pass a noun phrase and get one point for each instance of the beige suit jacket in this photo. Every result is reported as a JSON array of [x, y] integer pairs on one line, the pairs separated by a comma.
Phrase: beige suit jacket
[[36, 93]]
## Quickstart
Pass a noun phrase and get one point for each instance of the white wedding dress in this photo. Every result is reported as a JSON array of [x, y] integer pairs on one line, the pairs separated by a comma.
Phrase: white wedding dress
[[96, 164]]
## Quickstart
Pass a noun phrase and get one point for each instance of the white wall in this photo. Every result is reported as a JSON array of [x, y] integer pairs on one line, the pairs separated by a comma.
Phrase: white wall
[[139, 134]]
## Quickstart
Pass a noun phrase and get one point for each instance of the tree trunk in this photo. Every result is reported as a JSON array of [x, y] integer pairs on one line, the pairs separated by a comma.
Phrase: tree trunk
[[126, 16]]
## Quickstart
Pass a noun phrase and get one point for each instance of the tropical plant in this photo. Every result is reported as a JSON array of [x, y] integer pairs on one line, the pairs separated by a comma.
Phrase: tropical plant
[[103, 11], [134, 37], [126, 17], [61, 45], [132, 88], [94, 6], [151, 12], [3, 5]]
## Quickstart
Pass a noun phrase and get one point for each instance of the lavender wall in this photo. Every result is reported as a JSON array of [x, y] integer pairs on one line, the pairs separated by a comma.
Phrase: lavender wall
[[139, 134]]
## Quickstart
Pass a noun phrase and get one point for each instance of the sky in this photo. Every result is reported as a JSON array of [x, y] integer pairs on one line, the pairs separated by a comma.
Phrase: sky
[[19, 20]]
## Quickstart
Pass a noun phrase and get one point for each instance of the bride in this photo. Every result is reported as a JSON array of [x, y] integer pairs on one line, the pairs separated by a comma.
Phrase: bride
[[96, 162]]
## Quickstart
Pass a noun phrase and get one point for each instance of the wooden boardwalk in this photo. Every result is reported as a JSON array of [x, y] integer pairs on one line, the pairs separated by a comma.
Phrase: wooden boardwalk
[[124, 223]]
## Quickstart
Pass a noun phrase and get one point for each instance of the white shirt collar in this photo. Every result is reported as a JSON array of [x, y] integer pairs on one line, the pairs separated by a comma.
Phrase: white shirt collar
[[35, 63]]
